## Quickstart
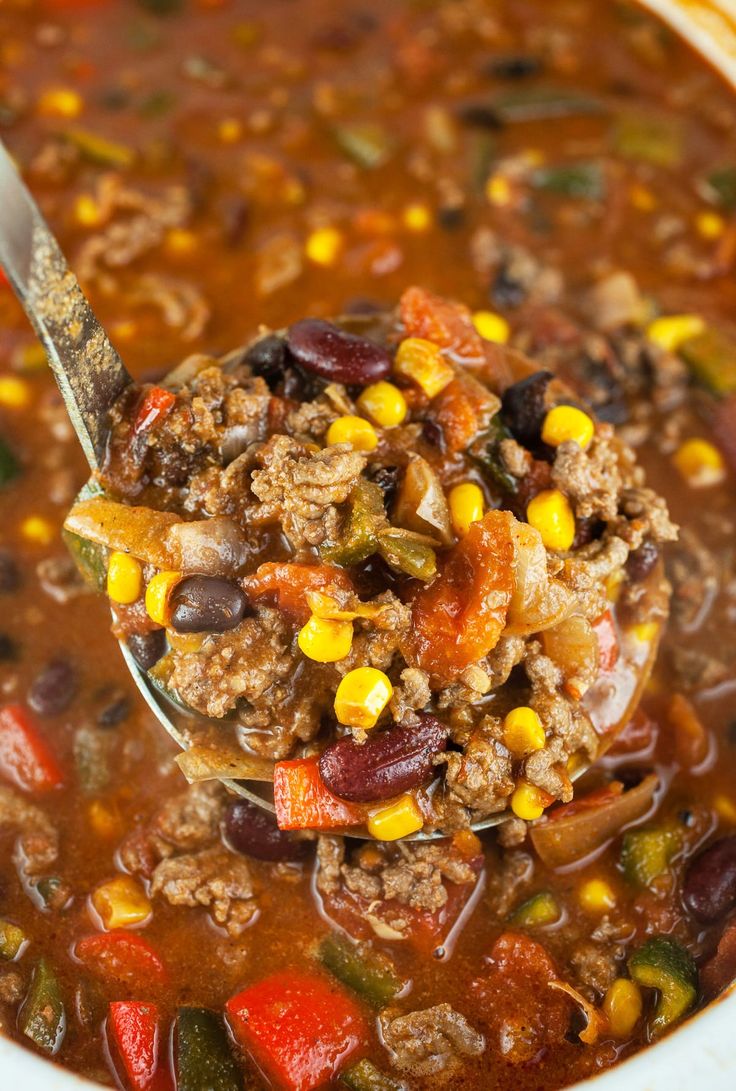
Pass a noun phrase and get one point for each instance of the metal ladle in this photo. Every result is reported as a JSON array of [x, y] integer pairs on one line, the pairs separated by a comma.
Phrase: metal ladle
[[91, 376]]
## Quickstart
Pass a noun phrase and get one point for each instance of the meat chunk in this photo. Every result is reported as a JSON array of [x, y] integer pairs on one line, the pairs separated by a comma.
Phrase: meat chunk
[[37, 846], [478, 780], [191, 819], [595, 966], [215, 878], [432, 1042], [300, 489], [695, 575], [591, 478], [412, 694], [242, 664]]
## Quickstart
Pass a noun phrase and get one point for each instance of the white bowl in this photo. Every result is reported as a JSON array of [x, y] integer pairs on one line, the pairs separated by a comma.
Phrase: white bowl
[[703, 1050]]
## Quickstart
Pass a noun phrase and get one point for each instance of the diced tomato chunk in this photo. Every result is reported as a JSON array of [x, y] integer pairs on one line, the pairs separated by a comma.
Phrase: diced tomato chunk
[[156, 404], [122, 957], [442, 322], [303, 802], [134, 1029], [462, 410], [608, 646], [25, 756], [590, 802], [301, 1028], [523, 1014], [289, 584], [458, 618]]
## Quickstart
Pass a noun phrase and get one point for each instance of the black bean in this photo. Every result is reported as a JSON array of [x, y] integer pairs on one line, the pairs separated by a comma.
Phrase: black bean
[[251, 830], [387, 479], [321, 348], [147, 648], [709, 889], [386, 764], [54, 688], [479, 115], [514, 66], [269, 359], [432, 434], [451, 217], [115, 709], [506, 290], [207, 604], [524, 407], [8, 648], [9, 573], [642, 561]]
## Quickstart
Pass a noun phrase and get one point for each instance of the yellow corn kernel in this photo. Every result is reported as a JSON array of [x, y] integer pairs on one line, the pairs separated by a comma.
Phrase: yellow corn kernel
[[87, 212], [324, 245], [180, 242], [104, 820], [645, 631], [14, 392], [596, 896], [671, 332], [492, 327], [550, 513], [230, 130], [527, 801], [157, 595], [523, 731], [699, 463], [399, 819], [566, 422], [61, 102], [498, 191], [725, 808], [613, 585], [362, 696], [710, 225], [124, 330], [124, 578], [121, 903], [356, 431], [622, 1007], [38, 530], [33, 357], [467, 506], [325, 641], [385, 403], [417, 217], [642, 198], [422, 362]]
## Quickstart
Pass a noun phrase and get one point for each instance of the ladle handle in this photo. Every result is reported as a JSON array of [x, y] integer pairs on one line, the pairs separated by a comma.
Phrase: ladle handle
[[88, 370]]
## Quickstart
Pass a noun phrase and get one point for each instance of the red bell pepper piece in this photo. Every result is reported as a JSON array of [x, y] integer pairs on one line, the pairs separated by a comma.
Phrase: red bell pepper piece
[[4, 282], [289, 584], [303, 802], [608, 647], [300, 1028], [459, 616], [134, 1029], [25, 757], [590, 802], [122, 957], [156, 404]]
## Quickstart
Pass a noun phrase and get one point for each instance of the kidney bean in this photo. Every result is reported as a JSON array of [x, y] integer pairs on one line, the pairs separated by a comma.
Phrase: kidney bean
[[147, 648], [268, 358], [524, 407], [9, 573], [709, 890], [641, 562], [115, 709], [8, 648], [386, 764], [253, 831], [202, 604], [321, 348], [54, 688]]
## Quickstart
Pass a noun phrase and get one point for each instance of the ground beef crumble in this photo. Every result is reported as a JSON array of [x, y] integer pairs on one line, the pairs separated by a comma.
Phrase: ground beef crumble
[[432, 1042]]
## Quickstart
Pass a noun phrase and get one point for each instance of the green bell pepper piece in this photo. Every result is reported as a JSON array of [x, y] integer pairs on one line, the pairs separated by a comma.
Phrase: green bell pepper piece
[[576, 180], [541, 908], [43, 1018], [9, 465], [368, 144], [364, 1076], [485, 451], [408, 555], [89, 557], [541, 104], [367, 515], [12, 939], [369, 973], [721, 186], [711, 357], [662, 963], [649, 139], [646, 854], [203, 1055]]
